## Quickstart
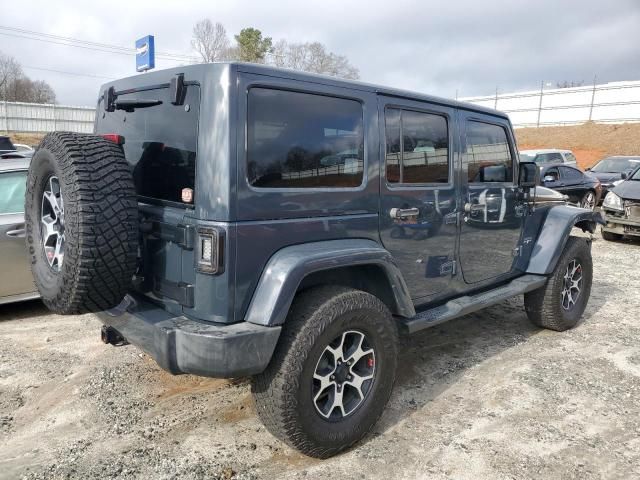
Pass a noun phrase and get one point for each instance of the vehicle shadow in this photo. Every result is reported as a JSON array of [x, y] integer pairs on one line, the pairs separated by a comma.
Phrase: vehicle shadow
[[20, 310], [432, 361]]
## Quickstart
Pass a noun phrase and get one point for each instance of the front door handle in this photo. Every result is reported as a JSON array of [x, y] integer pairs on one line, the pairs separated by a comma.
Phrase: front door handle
[[19, 233], [404, 213]]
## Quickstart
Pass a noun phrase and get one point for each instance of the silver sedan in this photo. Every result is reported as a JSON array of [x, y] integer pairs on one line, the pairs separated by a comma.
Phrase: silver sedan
[[16, 283]]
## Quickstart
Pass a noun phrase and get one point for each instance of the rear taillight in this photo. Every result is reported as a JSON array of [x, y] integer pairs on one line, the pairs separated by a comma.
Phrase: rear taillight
[[210, 251], [114, 137]]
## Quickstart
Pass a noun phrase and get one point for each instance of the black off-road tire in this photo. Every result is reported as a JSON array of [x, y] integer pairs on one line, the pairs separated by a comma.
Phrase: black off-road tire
[[611, 237], [544, 306], [283, 392], [100, 222]]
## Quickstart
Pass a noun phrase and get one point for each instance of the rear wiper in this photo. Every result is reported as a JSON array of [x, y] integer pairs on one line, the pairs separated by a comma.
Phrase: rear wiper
[[131, 105]]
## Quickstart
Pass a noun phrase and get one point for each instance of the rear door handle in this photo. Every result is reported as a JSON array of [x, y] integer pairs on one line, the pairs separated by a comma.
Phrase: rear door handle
[[404, 213]]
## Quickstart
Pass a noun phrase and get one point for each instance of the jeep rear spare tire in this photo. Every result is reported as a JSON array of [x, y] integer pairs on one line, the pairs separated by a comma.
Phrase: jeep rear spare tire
[[81, 222]]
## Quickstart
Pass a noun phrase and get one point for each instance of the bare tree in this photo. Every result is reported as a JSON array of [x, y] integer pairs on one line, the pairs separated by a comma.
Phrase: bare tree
[[312, 57], [15, 86], [210, 41], [10, 71]]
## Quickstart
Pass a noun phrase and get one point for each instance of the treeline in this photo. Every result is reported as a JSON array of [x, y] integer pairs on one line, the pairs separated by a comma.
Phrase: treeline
[[15, 86], [213, 44]]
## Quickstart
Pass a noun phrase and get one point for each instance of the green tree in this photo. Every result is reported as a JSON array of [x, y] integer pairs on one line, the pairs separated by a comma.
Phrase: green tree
[[251, 46]]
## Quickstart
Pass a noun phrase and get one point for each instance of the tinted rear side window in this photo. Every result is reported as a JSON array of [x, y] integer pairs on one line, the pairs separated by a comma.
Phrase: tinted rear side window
[[5, 144], [302, 140], [488, 154], [160, 142]]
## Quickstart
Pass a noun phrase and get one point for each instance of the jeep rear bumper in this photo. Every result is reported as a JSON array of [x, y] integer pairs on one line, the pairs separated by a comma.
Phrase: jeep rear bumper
[[182, 345]]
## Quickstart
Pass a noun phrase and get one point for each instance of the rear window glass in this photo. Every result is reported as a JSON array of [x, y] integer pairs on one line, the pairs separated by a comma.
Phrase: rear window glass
[[302, 140], [160, 142], [12, 188], [5, 144]]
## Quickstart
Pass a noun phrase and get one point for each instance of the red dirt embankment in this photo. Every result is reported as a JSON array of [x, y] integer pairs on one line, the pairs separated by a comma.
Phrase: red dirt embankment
[[589, 142]]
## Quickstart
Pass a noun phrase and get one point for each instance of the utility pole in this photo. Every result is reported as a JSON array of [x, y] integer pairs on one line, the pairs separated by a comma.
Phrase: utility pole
[[540, 103], [593, 96]]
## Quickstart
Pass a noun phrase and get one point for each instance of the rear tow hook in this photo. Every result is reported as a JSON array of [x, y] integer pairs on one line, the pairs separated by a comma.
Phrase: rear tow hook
[[111, 336]]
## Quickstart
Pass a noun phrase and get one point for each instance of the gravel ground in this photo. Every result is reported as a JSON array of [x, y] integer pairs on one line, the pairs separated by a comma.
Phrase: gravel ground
[[484, 396]]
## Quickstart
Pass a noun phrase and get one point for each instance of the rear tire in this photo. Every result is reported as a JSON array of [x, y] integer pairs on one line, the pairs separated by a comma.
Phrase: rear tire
[[559, 305], [297, 395], [611, 237], [81, 221]]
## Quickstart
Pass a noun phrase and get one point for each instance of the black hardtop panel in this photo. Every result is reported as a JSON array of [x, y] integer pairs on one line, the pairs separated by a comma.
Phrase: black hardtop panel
[[204, 71]]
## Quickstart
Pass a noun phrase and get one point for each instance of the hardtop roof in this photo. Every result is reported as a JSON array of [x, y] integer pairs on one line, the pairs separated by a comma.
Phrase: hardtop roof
[[159, 76]]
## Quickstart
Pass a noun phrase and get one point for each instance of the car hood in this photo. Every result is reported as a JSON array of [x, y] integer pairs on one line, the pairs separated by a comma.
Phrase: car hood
[[629, 190]]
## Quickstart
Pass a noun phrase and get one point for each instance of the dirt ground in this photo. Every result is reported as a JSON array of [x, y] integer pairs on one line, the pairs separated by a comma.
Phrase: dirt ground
[[590, 141], [484, 396]]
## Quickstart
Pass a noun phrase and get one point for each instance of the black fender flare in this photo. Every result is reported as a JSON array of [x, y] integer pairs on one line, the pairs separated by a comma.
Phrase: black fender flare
[[555, 231], [287, 268]]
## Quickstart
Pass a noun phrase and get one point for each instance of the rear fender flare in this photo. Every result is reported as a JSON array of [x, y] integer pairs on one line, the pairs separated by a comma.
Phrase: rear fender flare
[[288, 267], [554, 234]]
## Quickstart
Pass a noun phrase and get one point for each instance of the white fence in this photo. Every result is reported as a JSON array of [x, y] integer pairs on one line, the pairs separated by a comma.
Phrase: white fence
[[617, 102], [41, 118]]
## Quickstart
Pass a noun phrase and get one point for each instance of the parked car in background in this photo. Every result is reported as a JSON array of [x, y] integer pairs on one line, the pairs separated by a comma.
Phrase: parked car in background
[[582, 188], [610, 170], [621, 208], [549, 156], [9, 150], [16, 282]]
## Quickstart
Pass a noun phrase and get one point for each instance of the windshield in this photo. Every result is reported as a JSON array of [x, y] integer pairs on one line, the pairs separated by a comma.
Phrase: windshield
[[527, 157], [636, 176], [616, 165], [159, 142]]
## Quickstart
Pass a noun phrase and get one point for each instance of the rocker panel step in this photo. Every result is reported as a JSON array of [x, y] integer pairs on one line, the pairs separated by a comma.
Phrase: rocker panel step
[[470, 303]]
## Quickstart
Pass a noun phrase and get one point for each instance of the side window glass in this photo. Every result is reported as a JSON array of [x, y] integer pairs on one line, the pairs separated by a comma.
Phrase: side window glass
[[12, 190], [488, 155], [551, 175], [571, 174], [303, 140], [417, 147]]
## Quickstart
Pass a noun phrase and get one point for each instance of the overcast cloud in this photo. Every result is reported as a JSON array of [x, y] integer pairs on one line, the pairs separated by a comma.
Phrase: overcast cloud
[[468, 46]]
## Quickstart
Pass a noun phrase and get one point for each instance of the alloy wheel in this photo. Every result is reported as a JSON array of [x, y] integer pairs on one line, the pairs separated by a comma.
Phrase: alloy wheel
[[52, 219], [343, 375]]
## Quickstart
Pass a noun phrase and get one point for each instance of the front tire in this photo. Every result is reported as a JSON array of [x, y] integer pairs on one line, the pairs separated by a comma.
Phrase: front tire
[[559, 305], [310, 396]]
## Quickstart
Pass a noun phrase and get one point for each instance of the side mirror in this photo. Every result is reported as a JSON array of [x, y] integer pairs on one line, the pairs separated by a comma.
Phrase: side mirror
[[623, 175], [528, 175], [549, 178]]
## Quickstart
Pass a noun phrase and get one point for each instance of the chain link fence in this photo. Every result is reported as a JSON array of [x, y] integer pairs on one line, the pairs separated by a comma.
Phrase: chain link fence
[[617, 102]]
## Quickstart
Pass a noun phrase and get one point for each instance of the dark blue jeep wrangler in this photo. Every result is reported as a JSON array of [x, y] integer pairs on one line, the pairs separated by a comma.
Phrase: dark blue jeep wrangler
[[233, 219]]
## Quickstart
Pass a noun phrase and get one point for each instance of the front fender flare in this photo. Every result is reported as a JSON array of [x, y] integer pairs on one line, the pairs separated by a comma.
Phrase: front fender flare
[[554, 234], [286, 269]]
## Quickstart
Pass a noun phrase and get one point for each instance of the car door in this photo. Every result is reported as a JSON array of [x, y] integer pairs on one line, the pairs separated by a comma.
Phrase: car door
[[418, 213], [493, 204], [15, 275]]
